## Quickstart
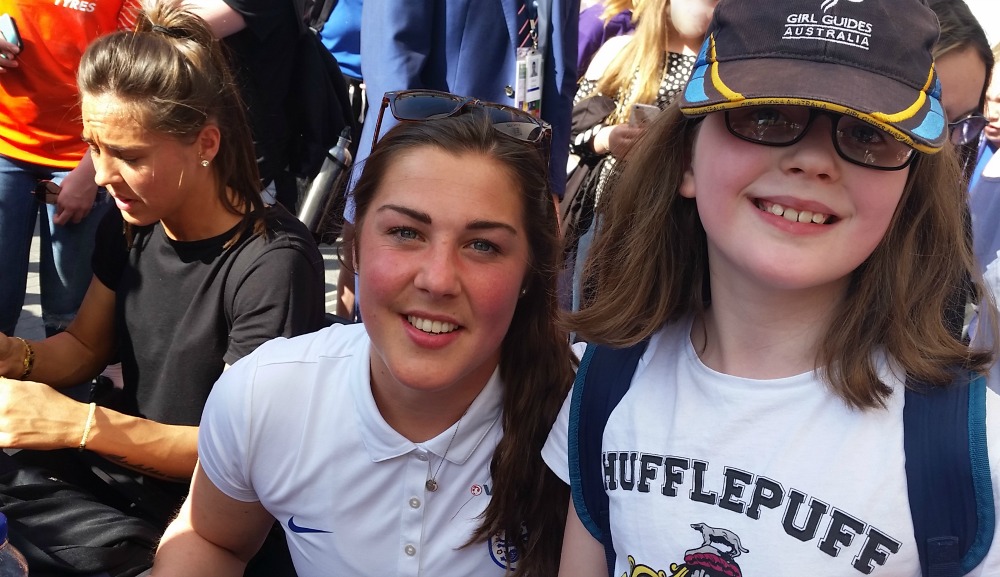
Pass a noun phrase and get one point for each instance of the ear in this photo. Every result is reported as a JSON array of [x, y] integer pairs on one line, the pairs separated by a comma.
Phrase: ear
[[208, 141], [687, 188]]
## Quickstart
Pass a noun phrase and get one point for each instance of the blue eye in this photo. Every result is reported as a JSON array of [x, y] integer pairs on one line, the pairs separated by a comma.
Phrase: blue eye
[[483, 246], [403, 233]]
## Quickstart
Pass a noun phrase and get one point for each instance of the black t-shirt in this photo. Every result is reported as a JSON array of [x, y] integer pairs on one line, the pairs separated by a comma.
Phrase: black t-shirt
[[176, 325], [260, 54]]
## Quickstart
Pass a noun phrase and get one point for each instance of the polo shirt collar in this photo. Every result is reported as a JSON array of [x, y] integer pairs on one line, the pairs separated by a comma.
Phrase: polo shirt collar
[[383, 442]]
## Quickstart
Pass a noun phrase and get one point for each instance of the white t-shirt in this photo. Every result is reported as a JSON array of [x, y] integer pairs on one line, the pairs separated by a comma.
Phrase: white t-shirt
[[755, 477], [294, 426]]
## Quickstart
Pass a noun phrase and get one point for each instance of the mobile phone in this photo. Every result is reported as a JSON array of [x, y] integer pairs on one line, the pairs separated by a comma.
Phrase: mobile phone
[[46, 191], [9, 31], [643, 113]]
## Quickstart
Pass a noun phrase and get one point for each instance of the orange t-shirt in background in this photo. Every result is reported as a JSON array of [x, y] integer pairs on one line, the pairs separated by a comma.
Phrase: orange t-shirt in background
[[39, 103]]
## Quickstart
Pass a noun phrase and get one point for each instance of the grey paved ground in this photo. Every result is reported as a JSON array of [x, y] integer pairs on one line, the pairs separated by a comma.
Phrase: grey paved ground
[[29, 326]]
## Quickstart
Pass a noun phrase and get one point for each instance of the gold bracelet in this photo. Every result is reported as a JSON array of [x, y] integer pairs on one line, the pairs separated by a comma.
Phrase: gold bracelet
[[29, 358], [86, 428]]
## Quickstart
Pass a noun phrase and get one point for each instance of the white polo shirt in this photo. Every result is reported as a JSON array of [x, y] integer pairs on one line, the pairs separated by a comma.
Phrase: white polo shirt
[[294, 426]]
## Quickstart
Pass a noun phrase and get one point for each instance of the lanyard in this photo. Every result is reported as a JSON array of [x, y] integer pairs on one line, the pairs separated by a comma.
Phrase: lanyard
[[530, 8]]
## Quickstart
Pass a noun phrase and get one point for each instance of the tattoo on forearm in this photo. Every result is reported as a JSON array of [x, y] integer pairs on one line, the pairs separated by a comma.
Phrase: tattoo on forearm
[[146, 470]]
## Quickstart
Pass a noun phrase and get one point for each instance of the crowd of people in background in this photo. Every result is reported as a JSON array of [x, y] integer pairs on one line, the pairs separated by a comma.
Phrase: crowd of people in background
[[783, 214]]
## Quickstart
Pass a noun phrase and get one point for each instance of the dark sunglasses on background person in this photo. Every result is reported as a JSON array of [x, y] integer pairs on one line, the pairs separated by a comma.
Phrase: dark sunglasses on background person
[[46, 191], [966, 129], [422, 105], [855, 140]]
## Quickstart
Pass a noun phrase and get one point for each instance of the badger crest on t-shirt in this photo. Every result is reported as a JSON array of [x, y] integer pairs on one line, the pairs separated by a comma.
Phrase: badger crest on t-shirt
[[715, 557]]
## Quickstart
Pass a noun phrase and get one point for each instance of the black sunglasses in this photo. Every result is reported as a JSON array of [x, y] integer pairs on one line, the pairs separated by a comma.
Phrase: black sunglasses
[[46, 192], [421, 105], [966, 129], [855, 140]]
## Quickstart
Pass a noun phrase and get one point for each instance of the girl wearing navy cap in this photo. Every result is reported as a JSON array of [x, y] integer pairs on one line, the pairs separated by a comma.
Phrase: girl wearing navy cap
[[786, 240]]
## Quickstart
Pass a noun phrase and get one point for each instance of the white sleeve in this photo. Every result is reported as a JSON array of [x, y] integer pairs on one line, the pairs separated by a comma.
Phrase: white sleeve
[[555, 452], [224, 434]]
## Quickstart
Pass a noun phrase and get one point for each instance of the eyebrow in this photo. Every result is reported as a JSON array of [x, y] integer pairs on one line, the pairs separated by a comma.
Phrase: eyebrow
[[426, 219], [112, 147]]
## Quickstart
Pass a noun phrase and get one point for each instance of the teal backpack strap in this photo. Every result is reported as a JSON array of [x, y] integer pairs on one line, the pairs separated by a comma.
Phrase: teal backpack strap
[[948, 474], [574, 446], [603, 378], [981, 476]]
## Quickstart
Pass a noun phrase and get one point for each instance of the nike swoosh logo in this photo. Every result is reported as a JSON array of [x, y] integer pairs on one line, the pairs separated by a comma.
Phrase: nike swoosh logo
[[298, 529]]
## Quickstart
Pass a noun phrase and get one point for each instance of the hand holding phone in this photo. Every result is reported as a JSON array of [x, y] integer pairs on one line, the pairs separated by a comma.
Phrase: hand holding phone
[[642, 114], [8, 29]]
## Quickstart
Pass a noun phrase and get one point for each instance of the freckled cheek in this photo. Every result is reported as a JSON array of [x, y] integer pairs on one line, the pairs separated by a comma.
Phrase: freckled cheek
[[494, 297], [382, 277]]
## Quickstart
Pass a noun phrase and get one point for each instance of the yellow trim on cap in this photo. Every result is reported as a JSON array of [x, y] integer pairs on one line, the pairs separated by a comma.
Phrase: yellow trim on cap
[[913, 108], [869, 118], [904, 114], [930, 78], [717, 82]]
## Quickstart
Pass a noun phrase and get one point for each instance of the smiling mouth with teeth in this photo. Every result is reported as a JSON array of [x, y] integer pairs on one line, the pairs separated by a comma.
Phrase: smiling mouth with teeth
[[793, 215], [429, 326]]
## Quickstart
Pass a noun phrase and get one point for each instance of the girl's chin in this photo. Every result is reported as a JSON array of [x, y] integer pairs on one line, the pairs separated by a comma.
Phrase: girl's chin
[[134, 219]]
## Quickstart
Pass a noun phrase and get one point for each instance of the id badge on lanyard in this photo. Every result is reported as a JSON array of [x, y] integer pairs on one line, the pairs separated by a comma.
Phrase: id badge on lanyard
[[529, 72]]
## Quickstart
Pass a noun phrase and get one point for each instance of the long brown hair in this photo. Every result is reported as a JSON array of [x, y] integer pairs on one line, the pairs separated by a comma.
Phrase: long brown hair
[[959, 30], [649, 266], [173, 73], [536, 363]]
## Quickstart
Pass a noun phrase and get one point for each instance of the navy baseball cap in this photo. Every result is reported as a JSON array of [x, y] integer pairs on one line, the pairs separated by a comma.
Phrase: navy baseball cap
[[870, 59]]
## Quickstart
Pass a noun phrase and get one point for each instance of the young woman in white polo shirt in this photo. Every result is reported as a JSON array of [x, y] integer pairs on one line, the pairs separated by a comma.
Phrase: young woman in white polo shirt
[[409, 444]]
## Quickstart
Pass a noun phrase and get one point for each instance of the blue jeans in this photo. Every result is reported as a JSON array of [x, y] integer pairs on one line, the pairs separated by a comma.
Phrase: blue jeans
[[65, 250]]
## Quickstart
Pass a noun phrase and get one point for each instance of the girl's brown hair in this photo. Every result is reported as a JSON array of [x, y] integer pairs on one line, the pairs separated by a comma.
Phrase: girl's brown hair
[[960, 30], [173, 74], [649, 266], [536, 363]]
